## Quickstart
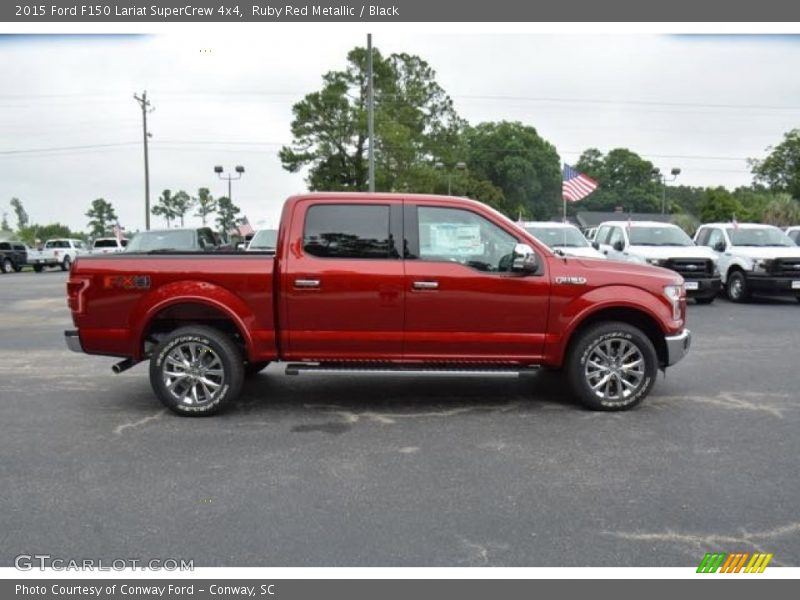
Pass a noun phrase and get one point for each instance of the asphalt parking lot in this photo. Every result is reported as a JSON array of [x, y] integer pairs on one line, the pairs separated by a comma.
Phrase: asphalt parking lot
[[345, 471]]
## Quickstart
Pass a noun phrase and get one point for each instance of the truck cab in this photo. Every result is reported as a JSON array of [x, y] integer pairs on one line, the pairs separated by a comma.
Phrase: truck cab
[[13, 256], [663, 245], [753, 259]]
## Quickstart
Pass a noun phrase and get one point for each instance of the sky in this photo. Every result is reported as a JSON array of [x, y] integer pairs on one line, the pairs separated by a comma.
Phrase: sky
[[71, 131]]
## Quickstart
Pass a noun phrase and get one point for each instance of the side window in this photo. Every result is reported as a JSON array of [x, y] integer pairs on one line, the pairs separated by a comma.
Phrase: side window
[[602, 235], [456, 235], [714, 237], [348, 231], [5, 246], [795, 235], [205, 239], [702, 237], [616, 236], [79, 245]]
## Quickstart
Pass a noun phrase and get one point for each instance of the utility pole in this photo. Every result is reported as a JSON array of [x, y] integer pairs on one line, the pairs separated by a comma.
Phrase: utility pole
[[370, 116], [144, 103]]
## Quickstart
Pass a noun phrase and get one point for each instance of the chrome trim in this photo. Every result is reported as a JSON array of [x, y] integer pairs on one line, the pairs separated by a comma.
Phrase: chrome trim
[[426, 285], [306, 283], [677, 346], [72, 340]]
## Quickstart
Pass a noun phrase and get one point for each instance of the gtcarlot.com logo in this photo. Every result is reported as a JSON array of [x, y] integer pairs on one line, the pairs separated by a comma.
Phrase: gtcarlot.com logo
[[28, 562], [735, 562]]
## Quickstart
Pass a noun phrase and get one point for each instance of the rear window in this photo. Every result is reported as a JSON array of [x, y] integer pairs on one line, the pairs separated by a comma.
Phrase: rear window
[[105, 244], [162, 240], [347, 231]]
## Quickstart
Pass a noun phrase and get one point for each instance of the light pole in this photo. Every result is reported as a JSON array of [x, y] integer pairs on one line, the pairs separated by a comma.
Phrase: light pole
[[461, 166], [674, 172], [239, 170]]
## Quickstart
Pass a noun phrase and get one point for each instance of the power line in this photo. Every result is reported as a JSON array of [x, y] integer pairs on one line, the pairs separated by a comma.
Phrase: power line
[[59, 148]]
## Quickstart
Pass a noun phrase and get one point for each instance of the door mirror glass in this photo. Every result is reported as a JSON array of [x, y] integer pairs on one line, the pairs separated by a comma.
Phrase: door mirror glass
[[525, 259], [619, 245], [719, 246], [596, 245]]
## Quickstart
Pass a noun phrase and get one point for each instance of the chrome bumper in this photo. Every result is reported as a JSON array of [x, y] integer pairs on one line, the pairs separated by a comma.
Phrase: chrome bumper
[[72, 340], [677, 346]]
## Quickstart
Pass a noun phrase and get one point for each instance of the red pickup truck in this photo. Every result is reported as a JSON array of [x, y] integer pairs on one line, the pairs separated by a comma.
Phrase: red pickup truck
[[380, 283]]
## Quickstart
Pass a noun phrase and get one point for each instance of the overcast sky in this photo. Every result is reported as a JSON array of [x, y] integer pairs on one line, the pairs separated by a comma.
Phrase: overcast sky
[[700, 103]]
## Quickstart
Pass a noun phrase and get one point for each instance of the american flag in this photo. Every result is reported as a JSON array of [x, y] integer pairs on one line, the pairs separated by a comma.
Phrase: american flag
[[244, 227], [734, 222], [576, 186]]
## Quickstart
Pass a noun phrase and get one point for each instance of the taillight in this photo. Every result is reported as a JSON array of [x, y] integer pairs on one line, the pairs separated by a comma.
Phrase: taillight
[[75, 288]]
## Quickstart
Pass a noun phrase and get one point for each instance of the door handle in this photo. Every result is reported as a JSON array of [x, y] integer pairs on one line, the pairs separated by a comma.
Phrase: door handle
[[306, 283], [426, 285]]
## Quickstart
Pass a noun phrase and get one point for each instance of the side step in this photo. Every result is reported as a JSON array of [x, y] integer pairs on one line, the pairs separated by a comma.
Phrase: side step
[[417, 370]]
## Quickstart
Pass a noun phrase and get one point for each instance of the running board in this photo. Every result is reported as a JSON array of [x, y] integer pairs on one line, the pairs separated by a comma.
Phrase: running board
[[462, 370]]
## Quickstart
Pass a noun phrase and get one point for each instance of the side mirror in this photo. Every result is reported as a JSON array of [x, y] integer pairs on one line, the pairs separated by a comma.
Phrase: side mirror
[[596, 245], [719, 246], [525, 259], [619, 245]]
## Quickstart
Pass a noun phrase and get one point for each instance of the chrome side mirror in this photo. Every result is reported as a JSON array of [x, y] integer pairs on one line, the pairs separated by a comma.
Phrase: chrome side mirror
[[525, 259]]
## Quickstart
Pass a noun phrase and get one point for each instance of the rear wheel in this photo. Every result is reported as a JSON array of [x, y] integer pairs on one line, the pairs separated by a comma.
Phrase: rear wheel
[[706, 300], [8, 266], [196, 371], [66, 264], [612, 366], [736, 287]]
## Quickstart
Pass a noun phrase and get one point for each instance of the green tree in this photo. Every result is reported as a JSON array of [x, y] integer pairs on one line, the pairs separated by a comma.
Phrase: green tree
[[781, 210], [626, 180], [182, 203], [515, 159], [720, 205], [415, 126], [101, 217], [206, 204], [34, 233], [165, 207], [780, 171], [227, 217], [22, 216]]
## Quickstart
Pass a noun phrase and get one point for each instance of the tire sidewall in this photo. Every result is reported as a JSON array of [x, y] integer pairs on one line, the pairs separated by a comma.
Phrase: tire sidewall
[[583, 349], [736, 276], [230, 386], [8, 266], [65, 266]]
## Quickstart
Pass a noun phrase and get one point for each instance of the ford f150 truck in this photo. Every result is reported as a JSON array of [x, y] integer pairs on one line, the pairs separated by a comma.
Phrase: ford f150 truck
[[664, 245], [57, 253], [380, 283], [753, 258]]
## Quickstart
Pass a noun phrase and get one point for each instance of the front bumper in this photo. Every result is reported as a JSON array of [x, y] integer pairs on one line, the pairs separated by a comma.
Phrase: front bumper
[[677, 346], [770, 284], [706, 287], [72, 340]]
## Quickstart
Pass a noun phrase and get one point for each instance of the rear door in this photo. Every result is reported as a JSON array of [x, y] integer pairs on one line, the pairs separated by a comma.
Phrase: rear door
[[463, 302], [342, 284]]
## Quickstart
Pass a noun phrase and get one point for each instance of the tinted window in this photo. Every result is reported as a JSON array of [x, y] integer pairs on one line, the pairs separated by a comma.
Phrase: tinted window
[[105, 243], [5, 246], [19, 247], [347, 231], [455, 235]]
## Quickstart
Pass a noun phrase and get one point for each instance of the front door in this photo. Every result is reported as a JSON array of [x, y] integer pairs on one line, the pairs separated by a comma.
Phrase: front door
[[463, 302]]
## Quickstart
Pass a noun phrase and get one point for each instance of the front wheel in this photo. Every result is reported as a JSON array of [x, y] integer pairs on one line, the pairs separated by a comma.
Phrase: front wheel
[[8, 266], [66, 264], [612, 366], [706, 300], [736, 287], [196, 371]]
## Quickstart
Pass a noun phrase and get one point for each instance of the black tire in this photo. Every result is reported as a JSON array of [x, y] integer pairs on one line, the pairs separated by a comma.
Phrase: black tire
[[611, 339], [18, 268], [736, 287], [66, 263], [8, 266], [254, 368], [705, 300], [211, 348], [38, 268]]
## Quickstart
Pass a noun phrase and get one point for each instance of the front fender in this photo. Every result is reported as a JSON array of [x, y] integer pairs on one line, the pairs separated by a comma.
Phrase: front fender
[[199, 292], [565, 319]]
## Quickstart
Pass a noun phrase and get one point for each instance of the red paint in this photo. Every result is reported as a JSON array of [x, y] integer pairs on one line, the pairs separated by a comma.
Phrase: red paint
[[363, 309]]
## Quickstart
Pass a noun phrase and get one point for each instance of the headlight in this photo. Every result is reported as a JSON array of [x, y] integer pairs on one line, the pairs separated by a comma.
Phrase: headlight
[[656, 261], [761, 265], [674, 293]]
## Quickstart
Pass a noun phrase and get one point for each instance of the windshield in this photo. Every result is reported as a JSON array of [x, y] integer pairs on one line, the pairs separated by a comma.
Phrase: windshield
[[659, 236], [565, 237], [264, 239], [148, 241], [758, 236]]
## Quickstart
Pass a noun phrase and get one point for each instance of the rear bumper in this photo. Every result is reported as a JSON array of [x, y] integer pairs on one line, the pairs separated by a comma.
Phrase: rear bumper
[[769, 284], [72, 340], [677, 346]]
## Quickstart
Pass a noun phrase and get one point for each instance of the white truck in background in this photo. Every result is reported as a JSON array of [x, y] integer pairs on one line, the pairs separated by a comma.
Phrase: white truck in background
[[59, 252]]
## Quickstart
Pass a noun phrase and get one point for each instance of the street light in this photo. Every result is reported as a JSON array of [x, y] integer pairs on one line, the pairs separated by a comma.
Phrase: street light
[[674, 172], [461, 166], [219, 171]]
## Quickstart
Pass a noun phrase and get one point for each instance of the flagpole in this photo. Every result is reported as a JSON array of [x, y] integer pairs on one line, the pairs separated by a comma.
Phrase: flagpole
[[564, 200]]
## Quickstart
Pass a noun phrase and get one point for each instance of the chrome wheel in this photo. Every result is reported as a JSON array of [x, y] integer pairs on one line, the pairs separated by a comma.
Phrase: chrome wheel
[[615, 369], [736, 288], [193, 373], [7, 266]]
